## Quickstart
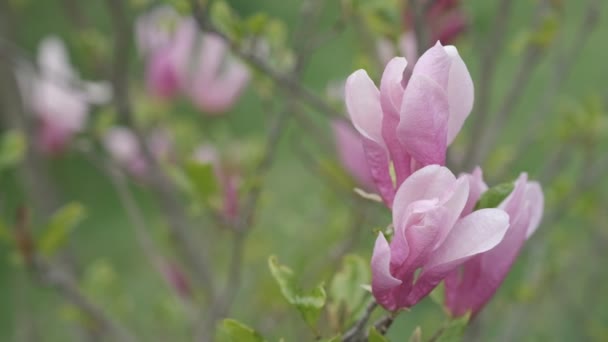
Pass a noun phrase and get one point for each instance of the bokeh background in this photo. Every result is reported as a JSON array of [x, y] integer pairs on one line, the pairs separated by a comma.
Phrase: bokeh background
[[557, 289]]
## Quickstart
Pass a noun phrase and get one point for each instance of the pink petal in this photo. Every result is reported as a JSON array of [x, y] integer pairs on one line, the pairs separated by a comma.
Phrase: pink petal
[[427, 183], [476, 187], [476, 233], [351, 153], [460, 93], [435, 64], [382, 280], [424, 121], [534, 195], [161, 75], [377, 159], [363, 104], [453, 201]]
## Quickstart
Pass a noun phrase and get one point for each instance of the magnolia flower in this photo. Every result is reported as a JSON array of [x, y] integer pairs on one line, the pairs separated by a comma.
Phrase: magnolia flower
[[470, 288], [206, 154], [351, 154], [431, 235], [123, 146], [180, 58], [57, 97], [444, 21], [409, 123]]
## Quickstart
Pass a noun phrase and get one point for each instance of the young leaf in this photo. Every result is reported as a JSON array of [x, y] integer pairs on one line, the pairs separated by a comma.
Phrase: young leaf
[[238, 332], [202, 178], [345, 289], [375, 336], [59, 227], [12, 149], [308, 304], [454, 330], [495, 195], [416, 335]]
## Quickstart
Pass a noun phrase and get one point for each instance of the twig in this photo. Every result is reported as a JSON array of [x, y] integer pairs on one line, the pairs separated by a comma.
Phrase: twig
[[561, 71], [181, 230], [357, 331], [495, 45], [384, 323], [489, 135], [52, 276], [286, 81]]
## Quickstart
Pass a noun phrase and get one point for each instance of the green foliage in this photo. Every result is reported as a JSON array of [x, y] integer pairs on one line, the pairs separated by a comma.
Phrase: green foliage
[[202, 178], [309, 304], [494, 196], [59, 227], [454, 329], [12, 149], [347, 296], [5, 234], [238, 332], [375, 336], [416, 335]]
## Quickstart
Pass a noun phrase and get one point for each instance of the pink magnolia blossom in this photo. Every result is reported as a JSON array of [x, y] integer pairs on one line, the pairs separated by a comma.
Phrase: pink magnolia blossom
[[408, 123], [176, 279], [431, 235], [123, 146], [351, 154], [181, 59], [229, 182], [57, 97], [444, 20], [470, 288]]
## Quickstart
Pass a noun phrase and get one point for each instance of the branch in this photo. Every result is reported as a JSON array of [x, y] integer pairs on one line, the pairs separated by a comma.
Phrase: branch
[[284, 81], [356, 332], [485, 84], [166, 193], [52, 276], [489, 135], [562, 69]]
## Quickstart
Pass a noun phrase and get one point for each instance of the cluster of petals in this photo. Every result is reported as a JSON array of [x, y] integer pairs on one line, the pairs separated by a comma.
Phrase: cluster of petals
[[182, 59], [409, 122], [57, 96]]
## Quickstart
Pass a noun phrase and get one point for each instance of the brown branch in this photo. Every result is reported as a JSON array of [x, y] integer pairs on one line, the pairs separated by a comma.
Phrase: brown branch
[[357, 331], [167, 196], [485, 84], [53, 276]]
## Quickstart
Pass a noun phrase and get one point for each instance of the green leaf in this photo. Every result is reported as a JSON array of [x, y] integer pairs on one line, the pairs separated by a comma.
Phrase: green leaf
[[345, 288], [494, 196], [416, 335], [5, 234], [238, 332], [454, 329], [332, 339], [202, 177], [308, 304], [12, 149], [375, 336], [59, 227]]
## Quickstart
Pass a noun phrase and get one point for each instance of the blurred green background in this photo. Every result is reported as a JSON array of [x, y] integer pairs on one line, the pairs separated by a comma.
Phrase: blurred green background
[[556, 291]]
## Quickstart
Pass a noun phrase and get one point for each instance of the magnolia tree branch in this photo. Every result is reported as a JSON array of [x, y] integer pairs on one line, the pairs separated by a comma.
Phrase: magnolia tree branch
[[285, 81], [53, 276], [485, 84], [357, 331], [562, 68], [181, 230]]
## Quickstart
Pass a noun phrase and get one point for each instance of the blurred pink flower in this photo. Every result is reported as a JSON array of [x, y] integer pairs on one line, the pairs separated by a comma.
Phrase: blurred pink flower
[[470, 288], [229, 181], [409, 123], [431, 235], [180, 58], [177, 280], [123, 146], [444, 21], [57, 96]]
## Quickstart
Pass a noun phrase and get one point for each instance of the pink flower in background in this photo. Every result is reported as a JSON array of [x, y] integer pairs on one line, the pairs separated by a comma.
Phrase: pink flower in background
[[57, 97], [444, 21], [177, 280], [351, 154], [408, 123], [123, 146], [431, 235], [181, 59], [229, 182], [470, 288]]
